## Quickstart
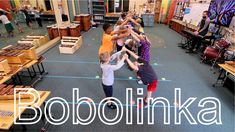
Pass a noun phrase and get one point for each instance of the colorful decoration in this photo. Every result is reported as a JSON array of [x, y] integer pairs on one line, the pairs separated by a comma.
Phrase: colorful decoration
[[222, 11]]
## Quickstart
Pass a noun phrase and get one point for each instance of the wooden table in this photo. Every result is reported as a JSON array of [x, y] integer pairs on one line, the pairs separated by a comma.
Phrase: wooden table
[[179, 25], [8, 105], [225, 68], [4, 79], [15, 71]]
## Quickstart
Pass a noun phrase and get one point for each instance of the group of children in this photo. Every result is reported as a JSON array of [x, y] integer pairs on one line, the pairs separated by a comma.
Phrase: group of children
[[127, 38], [14, 14]]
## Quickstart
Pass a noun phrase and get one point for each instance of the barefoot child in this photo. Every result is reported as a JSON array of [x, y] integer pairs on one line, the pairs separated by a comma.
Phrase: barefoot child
[[108, 73], [7, 24], [146, 73]]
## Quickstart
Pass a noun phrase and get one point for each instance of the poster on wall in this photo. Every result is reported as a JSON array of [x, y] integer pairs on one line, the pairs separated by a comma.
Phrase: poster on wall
[[193, 13], [222, 11]]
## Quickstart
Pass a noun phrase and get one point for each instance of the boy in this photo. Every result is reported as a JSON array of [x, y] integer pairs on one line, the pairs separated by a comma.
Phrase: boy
[[146, 73], [37, 16], [108, 73], [109, 36], [7, 24]]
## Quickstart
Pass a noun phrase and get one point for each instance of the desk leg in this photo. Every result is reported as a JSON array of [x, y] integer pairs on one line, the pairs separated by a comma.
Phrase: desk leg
[[46, 124], [13, 80], [20, 81], [43, 69], [219, 77], [34, 71], [39, 69], [29, 73]]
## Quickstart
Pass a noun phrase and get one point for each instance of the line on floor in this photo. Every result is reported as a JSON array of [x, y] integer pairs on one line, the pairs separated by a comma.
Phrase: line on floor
[[84, 62], [124, 105], [96, 78]]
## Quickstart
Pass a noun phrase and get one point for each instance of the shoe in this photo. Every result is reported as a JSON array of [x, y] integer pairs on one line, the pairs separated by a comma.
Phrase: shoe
[[140, 82], [144, 106], [190, 51], [112, 106]]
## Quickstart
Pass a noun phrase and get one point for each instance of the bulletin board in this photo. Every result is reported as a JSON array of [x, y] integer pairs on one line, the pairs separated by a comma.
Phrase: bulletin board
[[194, 12]]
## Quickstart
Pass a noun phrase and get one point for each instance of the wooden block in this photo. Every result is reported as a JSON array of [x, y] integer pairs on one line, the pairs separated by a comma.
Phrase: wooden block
[[4, 66], [42, 39], [47, 46], [33, 42], [14, 57], [67, 49]]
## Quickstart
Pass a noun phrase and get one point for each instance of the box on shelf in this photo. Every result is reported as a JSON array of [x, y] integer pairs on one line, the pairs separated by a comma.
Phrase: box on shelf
[[41, 39], [28, 50], [14, 57], [27, 41]]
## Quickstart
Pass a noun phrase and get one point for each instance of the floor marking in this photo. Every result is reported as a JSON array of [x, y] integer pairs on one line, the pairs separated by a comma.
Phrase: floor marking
[[95, 78], [85, 62], [124, 105]]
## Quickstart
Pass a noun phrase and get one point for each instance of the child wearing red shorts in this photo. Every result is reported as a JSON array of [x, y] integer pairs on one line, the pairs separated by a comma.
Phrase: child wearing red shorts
[[146, 73]]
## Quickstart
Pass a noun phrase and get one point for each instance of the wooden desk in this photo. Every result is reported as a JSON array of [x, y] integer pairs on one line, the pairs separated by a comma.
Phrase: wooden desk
[[225, 68], [179, 25], [29, 64], [228, 68], [8, 105], [4, 79], [15, 70]]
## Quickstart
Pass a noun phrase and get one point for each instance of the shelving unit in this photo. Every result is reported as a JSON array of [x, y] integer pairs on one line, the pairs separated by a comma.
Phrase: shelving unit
[[98, 11], [157, 10], [111, 18]]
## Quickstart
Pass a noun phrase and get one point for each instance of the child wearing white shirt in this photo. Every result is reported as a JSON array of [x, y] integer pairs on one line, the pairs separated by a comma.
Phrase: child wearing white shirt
[[108, 73], [7, 24]]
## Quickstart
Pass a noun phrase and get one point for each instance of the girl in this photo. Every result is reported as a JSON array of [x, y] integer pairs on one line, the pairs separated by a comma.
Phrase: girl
[[14, 14], [7, 24]]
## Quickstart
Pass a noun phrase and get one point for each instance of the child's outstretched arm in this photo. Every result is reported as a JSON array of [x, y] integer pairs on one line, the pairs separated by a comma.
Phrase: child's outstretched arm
[[130, 52], [135, 36], [121, 36], [133, 66], [114, 56], [132, 20], [119, 64]]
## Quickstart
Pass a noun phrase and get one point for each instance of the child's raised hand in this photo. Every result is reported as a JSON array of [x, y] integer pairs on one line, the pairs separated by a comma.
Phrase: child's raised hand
[[124, 49], [125, 56]]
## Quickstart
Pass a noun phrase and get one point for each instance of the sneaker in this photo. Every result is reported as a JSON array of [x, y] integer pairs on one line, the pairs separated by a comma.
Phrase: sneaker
[[144, 106], [140, 82], [112, 106]]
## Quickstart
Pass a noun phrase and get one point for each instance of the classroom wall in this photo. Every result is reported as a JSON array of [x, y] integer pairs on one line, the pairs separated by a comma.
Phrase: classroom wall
[[83, 6], [5, 5], [195, 12], [135, 4]]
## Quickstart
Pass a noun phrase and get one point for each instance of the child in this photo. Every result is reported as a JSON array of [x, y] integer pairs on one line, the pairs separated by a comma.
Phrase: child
[[146, 73], [14, 14], [37, 16], [108, 73], [27, 17], [7, 24], [109, 36], [144, 47]]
